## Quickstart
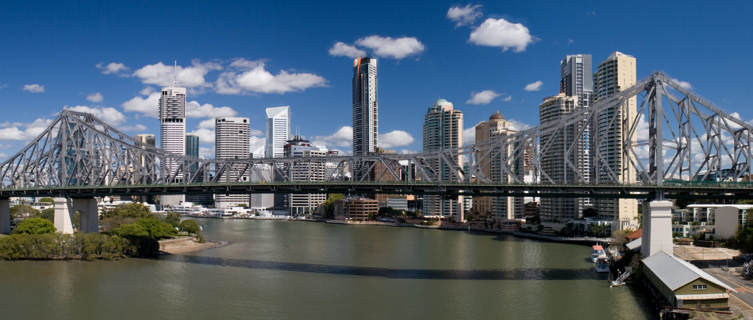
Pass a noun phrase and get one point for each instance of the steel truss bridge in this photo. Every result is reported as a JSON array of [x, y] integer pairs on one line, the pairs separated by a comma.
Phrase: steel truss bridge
[[677, 144]]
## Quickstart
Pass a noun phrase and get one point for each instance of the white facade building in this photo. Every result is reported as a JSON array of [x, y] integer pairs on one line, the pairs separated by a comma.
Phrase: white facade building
[[305, 204], [231, 141], [278, 131], [172, 116]]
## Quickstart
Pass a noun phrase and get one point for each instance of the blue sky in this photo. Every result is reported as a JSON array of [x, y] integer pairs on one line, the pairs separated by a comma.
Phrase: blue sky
[[239, 58]]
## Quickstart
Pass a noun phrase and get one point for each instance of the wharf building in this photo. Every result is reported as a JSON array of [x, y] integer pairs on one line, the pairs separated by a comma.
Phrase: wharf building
[[232, 143], [443, 130], [616, 73], [172, 117], [305, 204]]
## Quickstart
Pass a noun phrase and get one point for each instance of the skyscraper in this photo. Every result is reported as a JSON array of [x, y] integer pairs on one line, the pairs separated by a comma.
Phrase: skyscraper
[[365, 106], [278, 131], [616, 73], [192, 151], [577, 81], [231, 141], [305, 204], [443, 130], [192, 146], [172, 116], [554, 157], [490, 163]]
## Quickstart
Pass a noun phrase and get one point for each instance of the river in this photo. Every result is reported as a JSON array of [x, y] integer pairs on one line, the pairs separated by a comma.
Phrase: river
[[301, 270]]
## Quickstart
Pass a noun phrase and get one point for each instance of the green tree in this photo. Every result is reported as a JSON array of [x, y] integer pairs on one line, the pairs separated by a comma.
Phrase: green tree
[[124, 214], [190, 226], [329, 204], [35, 225], [48, 214], [23, 210], [156, 228], [173, 219], [47, 200], [131, 230]]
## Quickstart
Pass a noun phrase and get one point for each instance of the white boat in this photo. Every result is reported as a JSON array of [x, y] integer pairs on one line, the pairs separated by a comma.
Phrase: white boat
[[596, 252], [602, 264]]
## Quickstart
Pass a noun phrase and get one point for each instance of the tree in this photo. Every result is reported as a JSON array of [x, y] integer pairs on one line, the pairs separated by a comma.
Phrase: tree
[[34, 225], [173, 219], [23, 210], [48, 214], [329, 204], [590, 212], [156, 228], [124, 214], [190, 226], [47, 200]]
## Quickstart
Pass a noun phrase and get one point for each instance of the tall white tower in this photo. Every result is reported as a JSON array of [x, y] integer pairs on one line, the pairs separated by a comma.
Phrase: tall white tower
[[365, 106], [172, 116], [278, 131], [231, 141]]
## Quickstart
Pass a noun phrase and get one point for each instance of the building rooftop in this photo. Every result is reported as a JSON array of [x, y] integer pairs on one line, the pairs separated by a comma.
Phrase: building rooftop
[[738, 206], [675, 272], [497, 116], [277, 111]]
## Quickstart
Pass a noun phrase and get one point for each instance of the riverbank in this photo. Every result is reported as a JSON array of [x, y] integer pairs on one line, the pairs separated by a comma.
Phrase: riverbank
[[457, 227], [185, 245]]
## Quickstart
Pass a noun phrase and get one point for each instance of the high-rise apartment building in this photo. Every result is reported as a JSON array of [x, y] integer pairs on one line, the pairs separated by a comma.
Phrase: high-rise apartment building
[[172, 116], [192, 146], [616, 73], [554, 156], [577, 81], [443, 130], [365, 106], [231, 141], [490, 162], [305, 204], [278, 131]]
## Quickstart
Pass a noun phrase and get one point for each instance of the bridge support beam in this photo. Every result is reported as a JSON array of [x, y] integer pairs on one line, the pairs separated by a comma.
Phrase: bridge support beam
[[63, 216], [4, 216], [657, 228], [89, 217]]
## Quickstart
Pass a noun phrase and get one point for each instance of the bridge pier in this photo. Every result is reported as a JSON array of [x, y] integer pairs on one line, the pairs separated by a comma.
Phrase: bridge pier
[[657, 228], [5, 216], [89, 217], [63, 216]]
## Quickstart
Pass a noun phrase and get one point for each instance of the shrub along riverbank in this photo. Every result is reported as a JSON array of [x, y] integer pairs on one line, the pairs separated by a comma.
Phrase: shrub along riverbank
[[129, 230]]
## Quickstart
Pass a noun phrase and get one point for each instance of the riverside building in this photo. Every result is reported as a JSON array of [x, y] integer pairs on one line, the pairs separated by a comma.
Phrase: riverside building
[[443, 129], [231, 142], [172, 117], [365, 106]]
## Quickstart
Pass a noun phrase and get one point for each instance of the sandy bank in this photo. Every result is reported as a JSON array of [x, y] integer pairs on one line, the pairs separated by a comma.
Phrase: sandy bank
[[186, 245]]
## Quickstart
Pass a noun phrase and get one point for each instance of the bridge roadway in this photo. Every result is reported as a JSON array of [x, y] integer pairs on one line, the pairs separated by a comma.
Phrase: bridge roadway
[[669, 190]]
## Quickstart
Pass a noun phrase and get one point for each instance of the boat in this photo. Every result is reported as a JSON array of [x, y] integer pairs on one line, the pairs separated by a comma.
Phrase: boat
[[596, 252], [620, 281], [602, 264]]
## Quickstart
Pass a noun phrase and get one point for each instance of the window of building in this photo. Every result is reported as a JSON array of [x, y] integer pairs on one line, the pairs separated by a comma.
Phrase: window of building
[[699, 287]]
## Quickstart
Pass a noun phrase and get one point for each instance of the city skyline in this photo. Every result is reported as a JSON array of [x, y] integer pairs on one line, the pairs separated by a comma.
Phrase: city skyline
[[114, 86]]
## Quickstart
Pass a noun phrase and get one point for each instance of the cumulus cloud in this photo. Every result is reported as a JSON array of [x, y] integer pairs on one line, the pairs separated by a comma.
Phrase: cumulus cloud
[[23, 131], [95, 97], [206, 136], [395, 138], [252, 77], [255, 132], [115, 68], [206, 153], [189, 76], [342, 138], [483, 97], [196, 110], [683, 84], [469, 135], [256, 146], [134, 128], [206, 124], [146, 91], [388, 47], [464, 15], [111, 116], [148, 105], [507, 99], [34, 88], [501, 33], [533, 86], [346, 50]]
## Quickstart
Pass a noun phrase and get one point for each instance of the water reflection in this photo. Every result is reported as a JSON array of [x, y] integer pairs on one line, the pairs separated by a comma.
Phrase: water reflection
[[512, 274]]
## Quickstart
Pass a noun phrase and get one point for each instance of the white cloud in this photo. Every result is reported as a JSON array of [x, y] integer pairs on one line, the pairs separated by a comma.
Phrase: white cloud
[[116, 68], [134, 128], [34, 88], [388, 47], [206, 124], [469, 135], [483, 97], [110, 116], [507, 99], [95, 97], [23, 131], [252, 77], [395, 138], [343, 138], [255, 132], [206, 136], [148, 105], [346, 50], [163, 75], [464, 15], [501, 33], [146, 91], [256, 146], [534, 86], [206, 153], [196, 110], [683, 84]]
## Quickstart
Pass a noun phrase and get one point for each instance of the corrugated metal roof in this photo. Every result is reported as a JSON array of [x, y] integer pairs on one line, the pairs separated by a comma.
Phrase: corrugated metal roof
[[675, 272], [702, 296], [635, 244]]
